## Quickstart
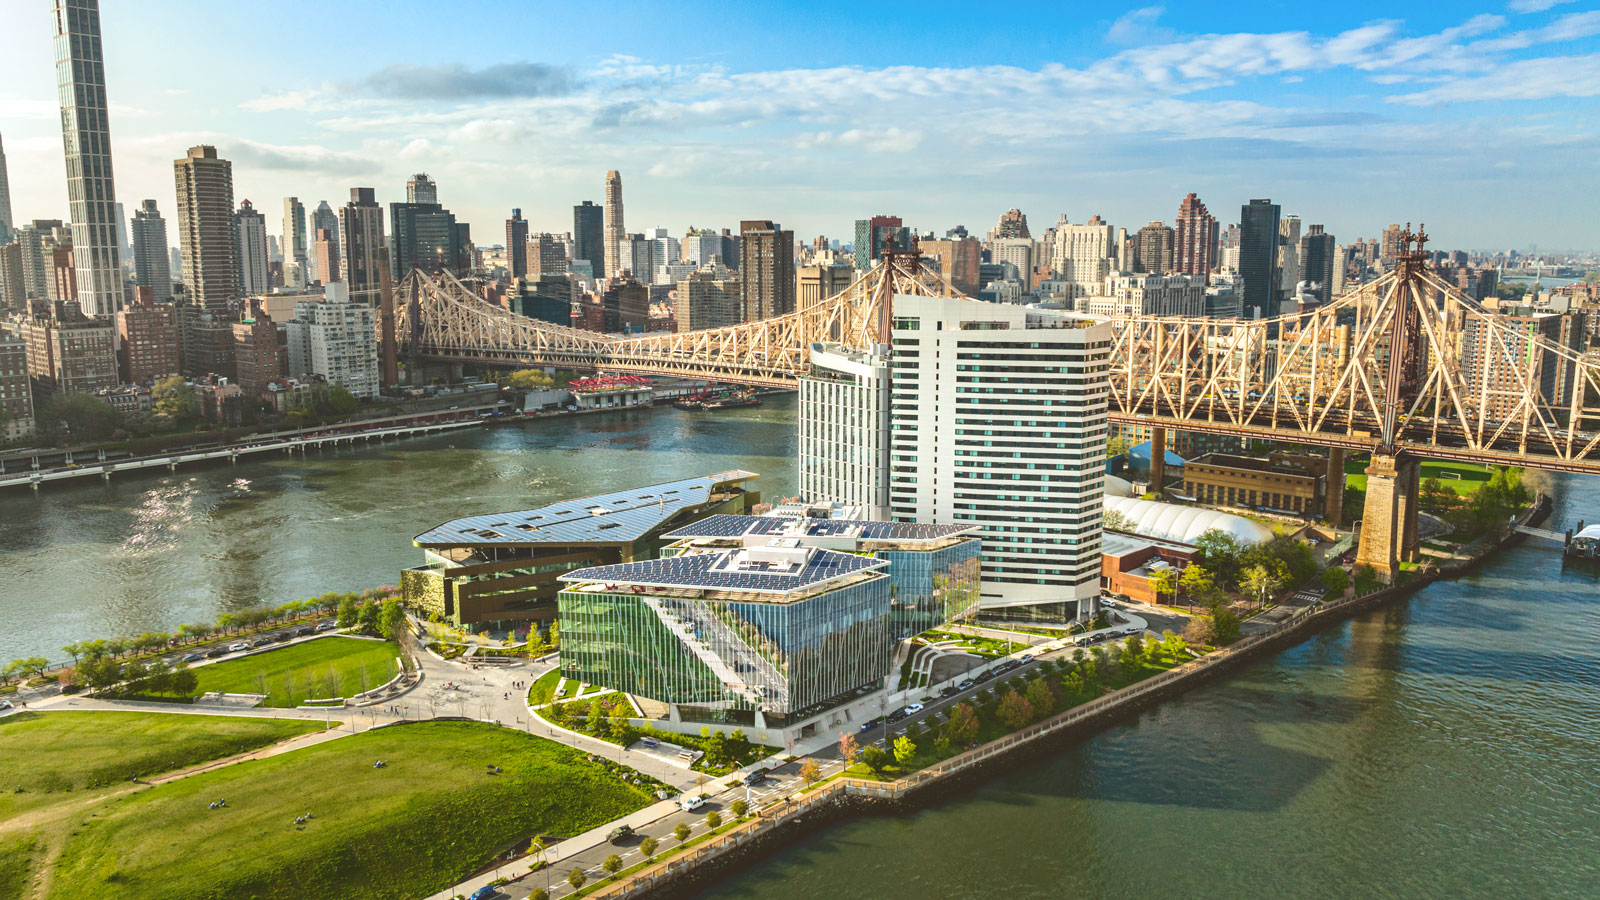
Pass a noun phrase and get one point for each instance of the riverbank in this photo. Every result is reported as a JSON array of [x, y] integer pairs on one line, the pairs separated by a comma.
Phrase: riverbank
[[780, 823]]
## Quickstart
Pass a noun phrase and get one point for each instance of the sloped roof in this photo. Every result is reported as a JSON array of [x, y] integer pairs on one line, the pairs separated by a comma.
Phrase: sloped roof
[[618, 517], [733, 526], [723, 571]]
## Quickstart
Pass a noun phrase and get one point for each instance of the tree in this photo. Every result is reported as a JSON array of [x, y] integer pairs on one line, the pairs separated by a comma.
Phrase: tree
[[576, 878], [1040, 697], [27, 665], [1219, 551], [175, 398], [810, 772], [1115, 521], [738, 808], [1436, 496], [74, 649], [341, 400], [183, 682], [347, 612], [595, 722], [681, 831], [848, 748], [1261, 581], [1337, 579], [874, 757], [1224, 626], [539, 894], [1163, 581], [647, 847], [83, 418], [905, 750], [367, 618], [963, 724], [391, 618], [528, 380], [621, 729], [713, 819], [1015, 711], [612, 865], [1196, 581]]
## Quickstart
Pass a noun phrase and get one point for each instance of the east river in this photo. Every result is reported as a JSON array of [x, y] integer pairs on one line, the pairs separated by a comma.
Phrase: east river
[[1445, 746]]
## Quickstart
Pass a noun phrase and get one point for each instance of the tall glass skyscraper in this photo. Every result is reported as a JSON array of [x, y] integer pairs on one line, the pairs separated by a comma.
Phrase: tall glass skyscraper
[[86, 138], [1258, 256], [5, 200]]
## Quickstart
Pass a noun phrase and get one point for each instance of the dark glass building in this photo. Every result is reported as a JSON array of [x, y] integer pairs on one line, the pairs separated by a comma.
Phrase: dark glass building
[[588, 234], [1258, 255]]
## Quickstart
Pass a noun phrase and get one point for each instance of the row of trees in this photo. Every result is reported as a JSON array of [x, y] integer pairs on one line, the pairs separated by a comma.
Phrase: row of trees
[[135, 676], [1487, 511]]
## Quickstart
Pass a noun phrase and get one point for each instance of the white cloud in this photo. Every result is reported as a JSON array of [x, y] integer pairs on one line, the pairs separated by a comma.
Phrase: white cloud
[[876, 140], [1533, 6], [280, 100], [1570, 27], [1139, 27], [1528, 79]]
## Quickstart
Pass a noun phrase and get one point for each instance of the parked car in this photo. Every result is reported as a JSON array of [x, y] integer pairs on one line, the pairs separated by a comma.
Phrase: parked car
[[326, 626], [965, 685], [756, 777], [950, 691], [236, 646], [870, 724], [912, 709], [262, 641], [5, 704], [485, 893], [1107, 602], [896, 716], [213, 654], [192, 657], [1026, 657], [302, 632], [621, 832], [690, 802]]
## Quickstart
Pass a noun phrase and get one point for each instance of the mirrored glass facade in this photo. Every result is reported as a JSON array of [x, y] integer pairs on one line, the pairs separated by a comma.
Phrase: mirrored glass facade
[[932, 587], [721, 656]]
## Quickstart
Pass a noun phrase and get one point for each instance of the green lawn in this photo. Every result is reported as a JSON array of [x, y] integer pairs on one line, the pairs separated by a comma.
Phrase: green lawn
[[1463, 478], [54, 753], [544, 688], [428, 818], [325, 667]]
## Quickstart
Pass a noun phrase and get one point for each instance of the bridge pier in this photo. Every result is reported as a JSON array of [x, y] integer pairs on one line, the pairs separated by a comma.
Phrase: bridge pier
[[1334, 501], [1158, 461], [1389, 519]]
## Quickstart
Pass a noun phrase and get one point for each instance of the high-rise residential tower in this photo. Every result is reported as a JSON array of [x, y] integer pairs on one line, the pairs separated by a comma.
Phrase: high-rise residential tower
[[5, 200], [1153, 249], [1318, 258], [616, 234], [365, 254], [1012, 224], [150, 261], [323, 218], [207, 230], [86, 138], [1258, 257], [766, 266], [874, 235], [1288, 269], [422, 189], [588, 236], [296, 246], [517, 244], [1195, 241], [252, 228], [326, 251]]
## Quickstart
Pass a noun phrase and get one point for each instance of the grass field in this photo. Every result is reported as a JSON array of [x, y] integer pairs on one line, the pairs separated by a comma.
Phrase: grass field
[[429, 817], [53, 754], [1463, 478], [325, 667], [544, 689]]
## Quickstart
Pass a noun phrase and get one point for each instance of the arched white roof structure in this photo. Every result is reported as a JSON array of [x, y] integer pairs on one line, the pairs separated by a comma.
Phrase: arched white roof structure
[[1172, 522], [1118, 487]]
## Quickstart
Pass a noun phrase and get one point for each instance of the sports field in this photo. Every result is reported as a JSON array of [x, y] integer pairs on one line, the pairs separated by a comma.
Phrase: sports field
[[316, 669]]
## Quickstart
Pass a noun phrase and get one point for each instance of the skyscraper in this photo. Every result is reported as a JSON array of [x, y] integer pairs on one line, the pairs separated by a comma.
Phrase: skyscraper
[[327, 254], [615, 233], [364, 249], [873, 236], [323, 219], [1317, 261], [150, 261], [766, 266], [5, 200], [1153, 249], [1390, 248], [1195, 240], [422, 189], [296, 249], [207, 230], [423, 236], [1258, 256], [1012, 224], [588, 236], [86, 138], [517, 244], [1288, 271], [252, 228]]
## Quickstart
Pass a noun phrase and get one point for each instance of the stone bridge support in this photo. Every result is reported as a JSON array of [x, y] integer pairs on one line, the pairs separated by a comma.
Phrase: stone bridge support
[[1334, 501], [1158, 462], [1389, 520]]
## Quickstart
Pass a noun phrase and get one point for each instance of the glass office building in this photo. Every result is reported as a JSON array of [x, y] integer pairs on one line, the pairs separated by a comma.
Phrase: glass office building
[[764, 635], [934, 570]]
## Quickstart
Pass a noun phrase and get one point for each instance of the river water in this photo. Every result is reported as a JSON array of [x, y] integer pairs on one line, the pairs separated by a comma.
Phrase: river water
[[1445, 746], [147, 552]]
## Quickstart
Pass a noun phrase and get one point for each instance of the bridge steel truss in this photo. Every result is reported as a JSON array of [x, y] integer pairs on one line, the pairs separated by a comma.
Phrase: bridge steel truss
[[440, 318]]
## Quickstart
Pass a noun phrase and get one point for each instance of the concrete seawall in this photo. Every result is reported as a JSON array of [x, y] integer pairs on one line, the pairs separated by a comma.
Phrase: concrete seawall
[[781, 823]]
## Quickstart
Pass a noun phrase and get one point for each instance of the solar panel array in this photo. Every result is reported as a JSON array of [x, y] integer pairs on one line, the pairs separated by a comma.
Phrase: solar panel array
[[703, 570]]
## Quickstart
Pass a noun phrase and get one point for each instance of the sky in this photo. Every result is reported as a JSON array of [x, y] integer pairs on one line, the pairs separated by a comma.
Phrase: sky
[[1481, 120]]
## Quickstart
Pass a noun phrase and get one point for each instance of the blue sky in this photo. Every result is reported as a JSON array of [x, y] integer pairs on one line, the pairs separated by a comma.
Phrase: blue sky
[[1480, 119]]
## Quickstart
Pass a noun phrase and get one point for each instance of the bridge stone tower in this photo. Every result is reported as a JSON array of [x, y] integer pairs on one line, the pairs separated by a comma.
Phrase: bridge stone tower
[[1389, 520]]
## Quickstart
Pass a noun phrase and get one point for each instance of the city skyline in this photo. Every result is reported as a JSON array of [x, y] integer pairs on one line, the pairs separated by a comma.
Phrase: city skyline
[[1345, 117]]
